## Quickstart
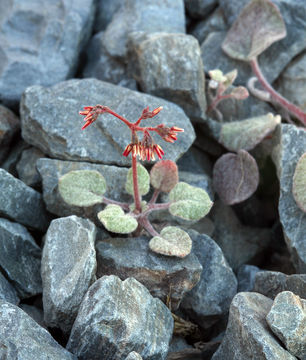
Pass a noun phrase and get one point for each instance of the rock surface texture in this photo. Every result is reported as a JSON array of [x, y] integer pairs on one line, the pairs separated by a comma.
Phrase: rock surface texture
[[118, 317], [9, 125], [7, 291], [68, 268]]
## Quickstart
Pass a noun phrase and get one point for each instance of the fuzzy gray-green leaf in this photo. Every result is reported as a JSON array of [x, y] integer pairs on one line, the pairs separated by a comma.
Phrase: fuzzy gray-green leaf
[[115, 220], [82, 187], [189, 202], [143, 178]]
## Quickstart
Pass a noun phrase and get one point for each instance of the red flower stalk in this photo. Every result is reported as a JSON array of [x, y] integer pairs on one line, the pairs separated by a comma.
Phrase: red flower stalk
[[168, 134], [134, 146], [148, 148], [91, 114]]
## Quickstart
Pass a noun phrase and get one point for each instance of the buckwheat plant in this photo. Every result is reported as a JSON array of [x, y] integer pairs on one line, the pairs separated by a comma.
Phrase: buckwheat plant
[[86, 187]]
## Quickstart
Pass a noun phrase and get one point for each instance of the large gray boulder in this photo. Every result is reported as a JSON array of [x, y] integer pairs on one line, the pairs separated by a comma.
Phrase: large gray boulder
[[68, 268], [117, 317], [9, 125], [40, 42], [22, 338], [50, 121], [7, 291], [20, 258]]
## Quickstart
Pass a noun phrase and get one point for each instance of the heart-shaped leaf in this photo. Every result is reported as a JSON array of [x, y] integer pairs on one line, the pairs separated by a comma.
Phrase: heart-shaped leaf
[[172, 241], [239, 93], [143, 178], [164, 175], [258, 26], [299, 183], [115, 220], [235, 177], [82, 187], [246, 134], [189, 202]]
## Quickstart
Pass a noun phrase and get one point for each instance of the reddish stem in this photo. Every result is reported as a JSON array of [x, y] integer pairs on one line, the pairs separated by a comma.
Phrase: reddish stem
[[137, 197], [128, 123], [148, 226], [154, 196], [216, 101], [284, 103], [124, 206]]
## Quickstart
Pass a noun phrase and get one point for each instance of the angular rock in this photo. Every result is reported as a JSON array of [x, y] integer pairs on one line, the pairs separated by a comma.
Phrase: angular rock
[[21, 203], [51, 170], [35, 313], [292, 82], [198, 9], [9, 164], [280, 53], [246, 277], [211, 297], [9, 125], [21, 337], [195, 161], [40, 44], [118, 317], [238, 243], [170, 66], [26, 166], [102, 66], [104, 141], [247, 335], [68, 268], [163, 276], [271, 283], [105, 12], [290, 144], [178, 343], [143, 15], [7, 291], [20, 258], [133, 356], [287, 319]]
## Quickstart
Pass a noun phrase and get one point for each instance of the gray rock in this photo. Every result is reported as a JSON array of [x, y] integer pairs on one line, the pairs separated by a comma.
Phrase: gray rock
[[195, 161], [246, 278], [287, 319], [104, 141], [26, 166], [21, 203], [178, 343], [105, 12], [9, 164], [51, 170], [133, 356], [35, 313], [290, 144], [40, 42], [7, 291], [211, 297], [239, 243], [102, 66], [170, 66], [20, 258], [22, 338], [292, 82], [198, 9], [163, 276], [247, 335], [9, 125], [68, 268], [143, 15], [280, 53], [214, 22], [270, 283], [118, 317]]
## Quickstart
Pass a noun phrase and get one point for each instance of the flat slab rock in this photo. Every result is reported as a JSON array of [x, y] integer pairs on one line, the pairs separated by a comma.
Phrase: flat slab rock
[[20, 258], [290, 144], [51, 170], [50, 121], [40, 42], [21, 203], [22, 338], [118, 317], [247, 334], [213, 294], [271, 283], [68, 268], [162, 275], [7, 291], [287, 319]]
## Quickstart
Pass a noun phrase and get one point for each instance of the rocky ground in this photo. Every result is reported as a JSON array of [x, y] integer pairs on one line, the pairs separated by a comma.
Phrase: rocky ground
[[71, 290]]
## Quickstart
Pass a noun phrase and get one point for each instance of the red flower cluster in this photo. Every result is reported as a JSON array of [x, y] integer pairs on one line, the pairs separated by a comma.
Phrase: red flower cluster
[[168, 134], [91, 114]]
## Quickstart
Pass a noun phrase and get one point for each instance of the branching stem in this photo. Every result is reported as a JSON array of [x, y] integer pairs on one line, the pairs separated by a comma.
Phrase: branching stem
[[124, 206], [148, 226]]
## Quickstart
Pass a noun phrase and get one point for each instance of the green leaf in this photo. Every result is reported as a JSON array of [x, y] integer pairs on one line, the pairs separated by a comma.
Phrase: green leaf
[[115, 220], [217, 75], [172, 241], [258, 26], [189, 202], [299, 183], [82, 187], [143, 178], [246, 134], [164, 175]]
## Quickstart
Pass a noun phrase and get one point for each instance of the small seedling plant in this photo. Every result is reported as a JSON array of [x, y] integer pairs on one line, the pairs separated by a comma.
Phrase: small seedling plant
[[86, 188]]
